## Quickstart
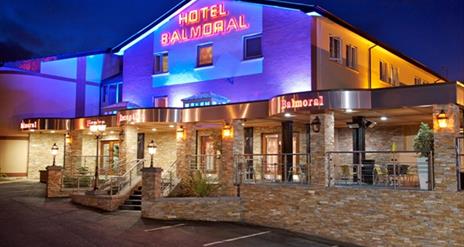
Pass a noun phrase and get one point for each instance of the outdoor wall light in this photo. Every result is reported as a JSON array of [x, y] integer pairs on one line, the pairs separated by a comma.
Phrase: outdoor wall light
[[152, 151], [442, 119], [383, 118], [54, 152], [180, 133], [226, 131], [316, 125]]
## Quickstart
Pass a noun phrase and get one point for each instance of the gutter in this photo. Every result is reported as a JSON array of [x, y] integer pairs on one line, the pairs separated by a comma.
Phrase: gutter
[[370, 66]]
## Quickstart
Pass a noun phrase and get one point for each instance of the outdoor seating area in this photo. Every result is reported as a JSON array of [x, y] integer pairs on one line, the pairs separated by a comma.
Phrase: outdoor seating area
[[397, 170]]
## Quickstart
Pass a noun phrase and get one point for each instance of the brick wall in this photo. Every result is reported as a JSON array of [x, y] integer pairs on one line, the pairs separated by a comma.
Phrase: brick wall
[[366, 217], [204, 209]]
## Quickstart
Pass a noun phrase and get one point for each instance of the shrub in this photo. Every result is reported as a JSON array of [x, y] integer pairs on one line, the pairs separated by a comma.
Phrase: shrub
[[423, 142], [197, 185]]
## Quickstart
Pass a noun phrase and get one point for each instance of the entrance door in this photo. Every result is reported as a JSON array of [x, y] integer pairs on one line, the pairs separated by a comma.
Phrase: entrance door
[[207, 153], [271, 150], [109, 160]]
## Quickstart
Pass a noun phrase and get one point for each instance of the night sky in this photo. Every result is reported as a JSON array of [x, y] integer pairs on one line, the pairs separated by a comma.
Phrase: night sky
[[430, 31]]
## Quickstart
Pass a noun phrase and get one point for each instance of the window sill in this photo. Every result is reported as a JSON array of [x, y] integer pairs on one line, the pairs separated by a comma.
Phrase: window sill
[[335, 60], [252, 59], [160, 74], [204, 67]]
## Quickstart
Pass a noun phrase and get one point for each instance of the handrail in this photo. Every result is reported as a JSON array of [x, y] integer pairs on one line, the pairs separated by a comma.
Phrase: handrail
[[169, 181]]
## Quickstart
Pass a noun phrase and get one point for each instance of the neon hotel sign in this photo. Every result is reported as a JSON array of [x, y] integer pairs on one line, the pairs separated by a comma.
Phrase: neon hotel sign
[[204, 22]]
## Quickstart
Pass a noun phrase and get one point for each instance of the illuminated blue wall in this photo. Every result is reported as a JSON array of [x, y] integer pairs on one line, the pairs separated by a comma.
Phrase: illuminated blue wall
[[64, 68], [285, 68], [94, 67], [227, 49]]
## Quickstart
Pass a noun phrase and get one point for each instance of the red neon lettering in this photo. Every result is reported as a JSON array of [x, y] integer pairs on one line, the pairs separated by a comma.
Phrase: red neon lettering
[[232, 25], [165, 39], [183, 18], [175, 37], [193, 17], [208, 29], [204, 25], [218, 26], [242, 23], [195, 32]]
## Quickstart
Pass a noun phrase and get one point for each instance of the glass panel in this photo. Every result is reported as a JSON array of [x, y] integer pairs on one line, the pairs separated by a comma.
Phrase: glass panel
[[165, 63], [112, 90], [253, 47], [205, 55]]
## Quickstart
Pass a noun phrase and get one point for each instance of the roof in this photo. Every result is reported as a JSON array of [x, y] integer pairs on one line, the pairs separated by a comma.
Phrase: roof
[[306, 8]]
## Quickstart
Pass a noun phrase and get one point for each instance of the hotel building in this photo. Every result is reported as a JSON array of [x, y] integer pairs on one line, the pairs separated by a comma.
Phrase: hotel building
[[249, 91]]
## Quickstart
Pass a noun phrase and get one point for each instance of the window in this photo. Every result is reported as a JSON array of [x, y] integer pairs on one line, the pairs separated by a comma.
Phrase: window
[[161, 64], [394, 79], [417, 81], [335, 49], [252, 47], [383, 71], [351, 56], [160, 101], [205, 55], [111, 93]]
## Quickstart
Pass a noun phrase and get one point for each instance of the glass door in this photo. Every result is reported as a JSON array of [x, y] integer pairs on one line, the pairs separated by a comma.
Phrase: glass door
[[207, 152], [109, 160]]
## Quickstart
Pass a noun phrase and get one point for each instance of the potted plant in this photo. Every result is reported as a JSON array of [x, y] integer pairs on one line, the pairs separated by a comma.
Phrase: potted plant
[[423, 144]]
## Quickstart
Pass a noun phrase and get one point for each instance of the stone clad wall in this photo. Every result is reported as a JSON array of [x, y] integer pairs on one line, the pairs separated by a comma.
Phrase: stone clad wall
[[204, 209], [367, 217], [40, 152]]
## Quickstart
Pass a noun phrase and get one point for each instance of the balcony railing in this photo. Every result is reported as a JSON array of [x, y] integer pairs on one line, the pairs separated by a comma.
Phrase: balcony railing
[[272, 168], [381, 169]]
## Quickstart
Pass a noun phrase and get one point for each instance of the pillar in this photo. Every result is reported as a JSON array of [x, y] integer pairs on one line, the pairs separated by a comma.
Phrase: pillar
[[54, 180], [128, 146], [287, 148], [230, 147], [444, 148], [185, 146], [73, 151], [151, 183], [321, 142]]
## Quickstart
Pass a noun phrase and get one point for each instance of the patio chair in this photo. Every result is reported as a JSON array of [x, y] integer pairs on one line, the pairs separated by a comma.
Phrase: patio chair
[[346, 174], [380, 175]]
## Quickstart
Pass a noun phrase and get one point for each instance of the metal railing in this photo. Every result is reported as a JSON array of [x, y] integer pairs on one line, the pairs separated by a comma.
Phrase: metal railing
[[291, 168], [80, 171], [169, 179], [133, 176], [205, 163], [382, 169]]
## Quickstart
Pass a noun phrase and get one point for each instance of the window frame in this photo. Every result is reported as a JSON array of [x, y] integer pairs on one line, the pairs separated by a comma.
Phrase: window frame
[[245, 50], [160, 56], [351, 53], [385, 73], [199, 47], [339, 58]]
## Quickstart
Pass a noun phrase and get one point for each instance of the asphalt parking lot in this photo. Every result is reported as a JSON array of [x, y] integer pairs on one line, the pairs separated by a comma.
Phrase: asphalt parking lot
[[28, 219]]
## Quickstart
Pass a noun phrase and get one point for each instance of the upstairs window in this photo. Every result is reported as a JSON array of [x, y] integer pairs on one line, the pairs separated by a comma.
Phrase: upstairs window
[[161, 64], [335, 51], [417, 81], [395, 77], [383, 71], [205, 55], [351, 56], [252, 47]]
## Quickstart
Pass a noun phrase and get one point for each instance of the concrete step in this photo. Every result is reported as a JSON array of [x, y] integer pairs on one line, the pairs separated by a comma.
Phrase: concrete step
[[131, 207]]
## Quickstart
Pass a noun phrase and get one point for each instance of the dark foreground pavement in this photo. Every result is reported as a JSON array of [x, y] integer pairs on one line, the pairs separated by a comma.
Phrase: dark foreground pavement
[[28, 219]]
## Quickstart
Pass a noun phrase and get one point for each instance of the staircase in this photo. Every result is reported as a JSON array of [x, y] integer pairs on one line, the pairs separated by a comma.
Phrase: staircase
[[134, 202]]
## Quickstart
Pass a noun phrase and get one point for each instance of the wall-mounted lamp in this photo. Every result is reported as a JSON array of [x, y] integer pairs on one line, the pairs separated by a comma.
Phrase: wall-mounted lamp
[[316, 125], [180, 133], [54, 152], [442, 119], [227, 131]]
